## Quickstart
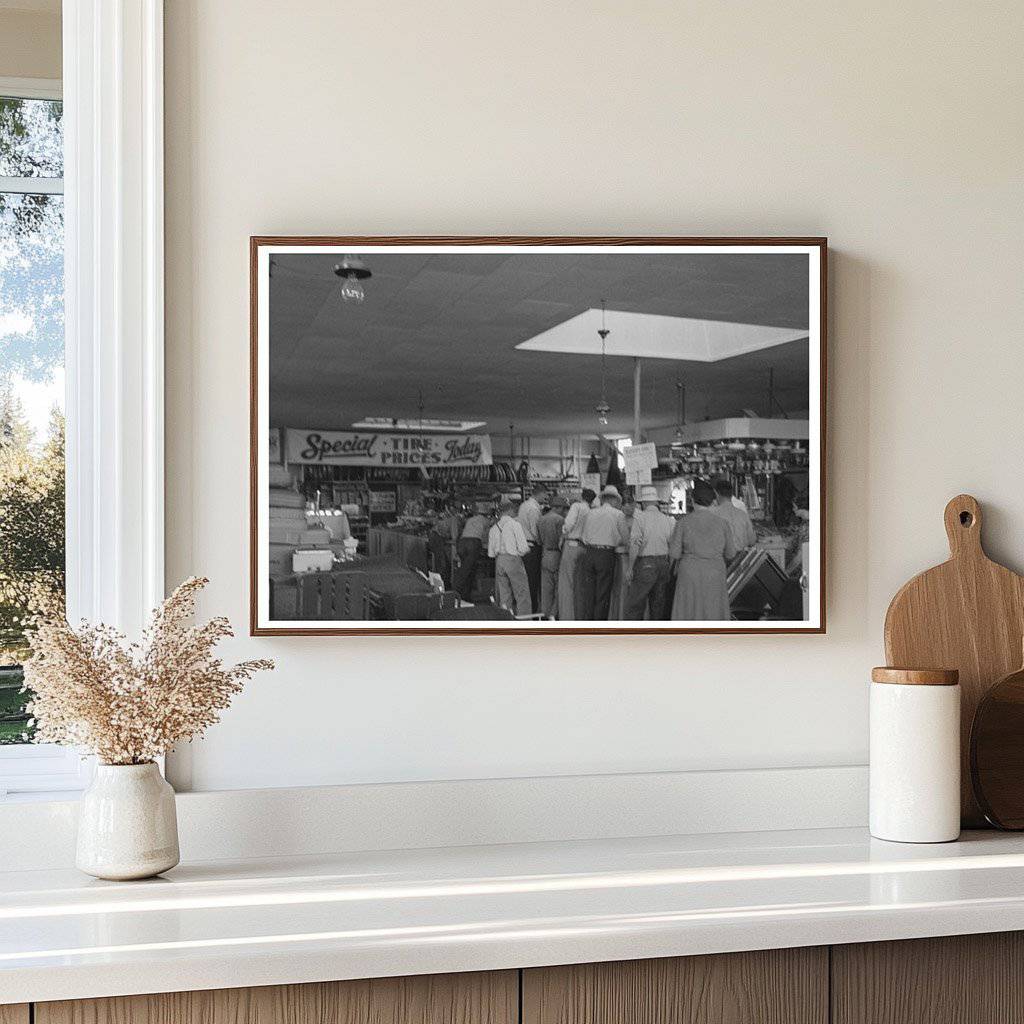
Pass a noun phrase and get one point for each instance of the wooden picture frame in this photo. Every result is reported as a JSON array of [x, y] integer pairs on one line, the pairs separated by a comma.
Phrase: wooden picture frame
[[377, 248]]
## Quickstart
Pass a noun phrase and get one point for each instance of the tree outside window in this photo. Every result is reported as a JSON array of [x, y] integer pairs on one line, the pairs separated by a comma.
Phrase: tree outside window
[[31, 385]]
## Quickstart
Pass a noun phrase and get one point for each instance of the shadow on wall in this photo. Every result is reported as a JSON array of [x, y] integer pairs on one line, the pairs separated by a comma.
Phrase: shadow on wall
[[852, 282]]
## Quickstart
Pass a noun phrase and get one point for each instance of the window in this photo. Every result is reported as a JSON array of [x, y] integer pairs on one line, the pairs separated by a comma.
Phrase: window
[[111, 176], [31, 404]]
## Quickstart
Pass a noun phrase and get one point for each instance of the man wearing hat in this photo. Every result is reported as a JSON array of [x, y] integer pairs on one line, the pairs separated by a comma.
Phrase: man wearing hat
[[603, 532], [471, 546], [549, 529], [647, 570], [506, 544]]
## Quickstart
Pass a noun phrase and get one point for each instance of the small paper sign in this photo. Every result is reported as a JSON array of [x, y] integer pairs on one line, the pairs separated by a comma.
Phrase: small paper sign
[[640, 456], [383, 501]]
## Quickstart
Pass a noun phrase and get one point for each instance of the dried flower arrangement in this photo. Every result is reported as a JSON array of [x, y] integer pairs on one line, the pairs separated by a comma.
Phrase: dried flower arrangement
[[129, 703]]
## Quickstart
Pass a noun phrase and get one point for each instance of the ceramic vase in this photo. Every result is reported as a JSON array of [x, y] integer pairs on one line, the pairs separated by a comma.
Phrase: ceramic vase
[[127, 826]]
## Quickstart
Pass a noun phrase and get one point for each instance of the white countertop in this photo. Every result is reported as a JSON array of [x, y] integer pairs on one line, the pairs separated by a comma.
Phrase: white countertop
[[283, 920]]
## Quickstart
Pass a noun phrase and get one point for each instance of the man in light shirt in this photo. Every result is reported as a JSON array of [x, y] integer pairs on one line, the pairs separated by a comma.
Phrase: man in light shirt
[[602, 534], [572, 552], [529, 518], [740, 526], [620, 588], [506, 544], [648, 566]]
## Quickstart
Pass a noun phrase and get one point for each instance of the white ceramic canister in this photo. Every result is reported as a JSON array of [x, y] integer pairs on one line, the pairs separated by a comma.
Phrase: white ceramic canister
[[127, 825], [915, 755]]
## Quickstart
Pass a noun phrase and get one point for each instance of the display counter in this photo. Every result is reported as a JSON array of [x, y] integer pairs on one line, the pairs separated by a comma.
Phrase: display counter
[[409, 548], [365, 587]]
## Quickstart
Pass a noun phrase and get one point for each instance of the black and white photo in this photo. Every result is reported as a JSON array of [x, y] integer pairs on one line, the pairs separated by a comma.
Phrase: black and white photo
[[537, 435]]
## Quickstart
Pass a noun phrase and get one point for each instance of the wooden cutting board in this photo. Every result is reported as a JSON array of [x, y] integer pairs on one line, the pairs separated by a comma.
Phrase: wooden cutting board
[[967, 614], [997, 753]]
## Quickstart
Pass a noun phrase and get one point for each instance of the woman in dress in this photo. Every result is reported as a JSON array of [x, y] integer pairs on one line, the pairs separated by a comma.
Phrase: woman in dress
[[701, 547]]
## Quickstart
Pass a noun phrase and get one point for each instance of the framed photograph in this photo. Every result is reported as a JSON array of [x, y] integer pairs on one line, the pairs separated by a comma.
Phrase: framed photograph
[[537, 435]]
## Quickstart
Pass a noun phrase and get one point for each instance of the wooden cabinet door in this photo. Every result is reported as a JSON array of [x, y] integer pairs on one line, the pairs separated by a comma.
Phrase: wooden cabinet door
[[962, 979], [480, 998], [778, 986], [14, 1013]]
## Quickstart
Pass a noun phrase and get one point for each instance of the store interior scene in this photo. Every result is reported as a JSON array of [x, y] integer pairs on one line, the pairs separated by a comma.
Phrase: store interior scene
[[540, 437]]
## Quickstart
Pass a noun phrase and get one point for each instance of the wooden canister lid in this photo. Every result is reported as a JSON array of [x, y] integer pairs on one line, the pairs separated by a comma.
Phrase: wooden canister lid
[[916, 676]]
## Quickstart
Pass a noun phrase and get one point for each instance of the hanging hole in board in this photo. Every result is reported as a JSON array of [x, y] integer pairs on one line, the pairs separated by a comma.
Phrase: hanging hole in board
[[966, 519]]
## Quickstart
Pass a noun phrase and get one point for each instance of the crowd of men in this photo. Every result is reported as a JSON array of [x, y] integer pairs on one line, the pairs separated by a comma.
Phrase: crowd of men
[[603, 556]]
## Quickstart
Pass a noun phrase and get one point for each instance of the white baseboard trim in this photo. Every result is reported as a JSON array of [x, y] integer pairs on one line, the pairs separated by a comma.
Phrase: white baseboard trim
[[289, 822]]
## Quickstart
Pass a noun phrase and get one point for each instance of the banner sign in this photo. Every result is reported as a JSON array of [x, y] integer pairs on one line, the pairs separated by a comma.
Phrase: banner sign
[[369, 448]]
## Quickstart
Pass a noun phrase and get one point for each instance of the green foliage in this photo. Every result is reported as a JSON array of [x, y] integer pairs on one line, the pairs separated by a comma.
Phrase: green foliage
[[31, 523], [31, 138], [14, 719]]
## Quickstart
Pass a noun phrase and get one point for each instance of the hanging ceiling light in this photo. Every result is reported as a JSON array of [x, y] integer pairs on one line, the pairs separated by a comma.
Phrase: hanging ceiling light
[[353, 271], [680, 413], [603, 408]]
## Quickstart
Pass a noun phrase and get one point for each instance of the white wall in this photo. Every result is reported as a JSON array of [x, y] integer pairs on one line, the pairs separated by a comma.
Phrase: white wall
[[895, 129], [30, 39]]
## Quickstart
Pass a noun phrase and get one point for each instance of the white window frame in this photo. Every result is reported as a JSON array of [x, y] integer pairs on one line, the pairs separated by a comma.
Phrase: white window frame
[[31, 88], [114, 337]]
